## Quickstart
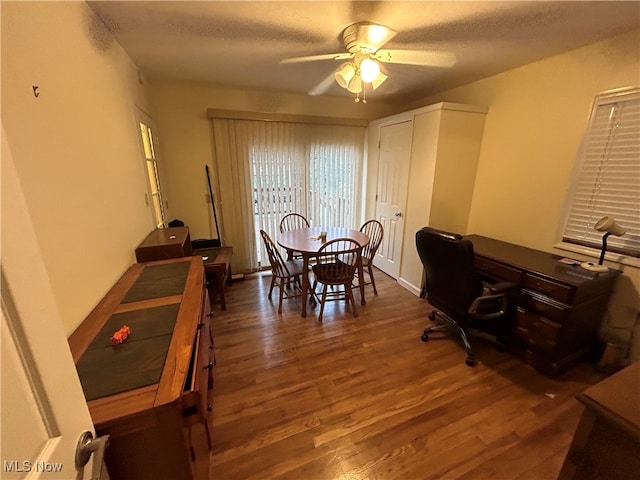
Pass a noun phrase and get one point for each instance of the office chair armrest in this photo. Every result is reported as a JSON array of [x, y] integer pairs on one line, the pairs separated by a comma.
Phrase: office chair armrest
[[501, 287], [487, 307]]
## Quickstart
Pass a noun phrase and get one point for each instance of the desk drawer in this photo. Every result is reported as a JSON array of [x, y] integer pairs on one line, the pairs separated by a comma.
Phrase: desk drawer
[[543, 306], [536, 330], [559, 291], [497, 270]]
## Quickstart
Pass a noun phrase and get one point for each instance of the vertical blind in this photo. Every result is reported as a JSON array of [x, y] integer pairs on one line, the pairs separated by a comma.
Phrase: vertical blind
[[608, 179], [282, 167]]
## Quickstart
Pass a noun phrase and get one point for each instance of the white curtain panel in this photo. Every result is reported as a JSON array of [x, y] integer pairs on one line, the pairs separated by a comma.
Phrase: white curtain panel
[[269, 169]]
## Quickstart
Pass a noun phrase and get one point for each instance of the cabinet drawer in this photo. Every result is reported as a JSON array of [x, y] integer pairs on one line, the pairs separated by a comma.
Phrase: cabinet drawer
[[537, 331], [497, 270], [556, 290], [543, 306], [196, 399]]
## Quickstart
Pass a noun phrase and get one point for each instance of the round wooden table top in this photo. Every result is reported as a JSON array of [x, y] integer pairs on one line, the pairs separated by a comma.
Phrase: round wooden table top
[[307, 240]]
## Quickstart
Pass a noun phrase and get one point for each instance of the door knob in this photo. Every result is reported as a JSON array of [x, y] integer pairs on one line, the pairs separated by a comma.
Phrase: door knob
[[88, 445], [398, 214]]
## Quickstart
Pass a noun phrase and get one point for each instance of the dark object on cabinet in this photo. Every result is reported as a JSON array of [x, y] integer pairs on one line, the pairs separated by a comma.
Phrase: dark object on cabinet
[[607, 440], [164, 243], [559, 307], [151, 394], [459, 297], [200, 243]]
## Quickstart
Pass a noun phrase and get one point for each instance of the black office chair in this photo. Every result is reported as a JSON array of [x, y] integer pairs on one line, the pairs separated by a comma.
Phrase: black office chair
[[461, 300]]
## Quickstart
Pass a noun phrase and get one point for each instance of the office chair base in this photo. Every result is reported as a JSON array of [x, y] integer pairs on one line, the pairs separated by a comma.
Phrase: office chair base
[[447, 326]]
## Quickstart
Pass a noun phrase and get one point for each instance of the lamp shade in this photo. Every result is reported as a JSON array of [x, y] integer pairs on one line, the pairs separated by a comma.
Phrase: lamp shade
[[608, 224], [378, 80], [345, 74], [355, 85]]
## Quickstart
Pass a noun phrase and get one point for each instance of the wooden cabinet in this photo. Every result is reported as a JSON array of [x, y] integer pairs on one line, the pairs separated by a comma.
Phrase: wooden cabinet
[[153, 393], [559, 307], [436, 188], [607, 439], [165, 243]]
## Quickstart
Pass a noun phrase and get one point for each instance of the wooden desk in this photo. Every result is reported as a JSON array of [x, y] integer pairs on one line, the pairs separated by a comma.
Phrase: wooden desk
[[164, 243], [606, 444], [153, 393], [304, 241], [559, 306], [217, 268]]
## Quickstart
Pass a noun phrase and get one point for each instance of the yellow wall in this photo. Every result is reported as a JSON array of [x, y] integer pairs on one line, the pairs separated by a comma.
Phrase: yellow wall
[[75, 147], [537, 116], [186, 137]]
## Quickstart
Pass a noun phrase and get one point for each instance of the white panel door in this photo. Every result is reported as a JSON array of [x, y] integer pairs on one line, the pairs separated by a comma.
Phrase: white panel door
[[391, 193], [43, 409]]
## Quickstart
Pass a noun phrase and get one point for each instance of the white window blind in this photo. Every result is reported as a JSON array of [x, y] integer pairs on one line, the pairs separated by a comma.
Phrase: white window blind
[[608, 178]]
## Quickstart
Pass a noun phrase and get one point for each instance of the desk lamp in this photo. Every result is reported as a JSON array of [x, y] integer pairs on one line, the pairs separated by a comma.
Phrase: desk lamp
[[609, 226]]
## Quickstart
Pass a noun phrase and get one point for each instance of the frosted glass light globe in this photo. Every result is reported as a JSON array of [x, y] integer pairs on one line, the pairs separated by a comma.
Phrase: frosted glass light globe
[[369, 70]]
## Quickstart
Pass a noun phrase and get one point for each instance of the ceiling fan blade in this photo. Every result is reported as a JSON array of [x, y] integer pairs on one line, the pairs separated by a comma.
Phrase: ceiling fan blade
[[313, 58], [417, 57], [323, 86]]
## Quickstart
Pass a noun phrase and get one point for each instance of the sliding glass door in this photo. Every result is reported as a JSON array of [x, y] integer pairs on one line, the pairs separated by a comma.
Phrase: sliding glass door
[[293, 167]]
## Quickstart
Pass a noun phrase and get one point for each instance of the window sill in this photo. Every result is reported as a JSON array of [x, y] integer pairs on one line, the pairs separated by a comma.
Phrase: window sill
[[590, 252]]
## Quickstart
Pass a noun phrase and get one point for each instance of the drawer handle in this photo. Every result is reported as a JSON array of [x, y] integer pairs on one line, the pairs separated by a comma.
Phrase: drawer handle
[[210, 314], [209, 407], [208, 366]]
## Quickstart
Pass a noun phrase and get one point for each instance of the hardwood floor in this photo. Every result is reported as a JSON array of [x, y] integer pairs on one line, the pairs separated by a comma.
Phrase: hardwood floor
[[364, 398]]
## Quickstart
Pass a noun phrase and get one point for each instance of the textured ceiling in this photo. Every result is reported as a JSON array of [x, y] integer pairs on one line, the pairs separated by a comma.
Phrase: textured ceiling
[[241, 43]]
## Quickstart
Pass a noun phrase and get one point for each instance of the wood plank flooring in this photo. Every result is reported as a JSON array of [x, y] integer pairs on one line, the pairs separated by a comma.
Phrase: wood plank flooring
[[364, 398]]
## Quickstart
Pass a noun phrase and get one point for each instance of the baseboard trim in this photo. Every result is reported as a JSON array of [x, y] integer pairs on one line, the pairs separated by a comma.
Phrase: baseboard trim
[[409, 286]]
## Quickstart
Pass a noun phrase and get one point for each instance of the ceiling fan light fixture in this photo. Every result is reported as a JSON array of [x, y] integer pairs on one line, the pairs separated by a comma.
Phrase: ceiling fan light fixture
[[369, 70], [355, 85], [345, 74], [379, 80]]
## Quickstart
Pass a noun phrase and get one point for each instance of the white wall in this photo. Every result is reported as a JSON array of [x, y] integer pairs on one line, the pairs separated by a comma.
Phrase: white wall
[[537, 116], [75, 146]]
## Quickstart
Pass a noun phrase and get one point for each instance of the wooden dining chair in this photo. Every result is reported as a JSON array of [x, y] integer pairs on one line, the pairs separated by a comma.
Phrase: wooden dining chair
[[293, 221], [372, 229], [335, 266], [285, 273]]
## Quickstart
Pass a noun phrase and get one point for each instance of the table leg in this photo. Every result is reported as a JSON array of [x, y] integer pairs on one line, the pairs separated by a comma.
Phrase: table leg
[[305, 283]]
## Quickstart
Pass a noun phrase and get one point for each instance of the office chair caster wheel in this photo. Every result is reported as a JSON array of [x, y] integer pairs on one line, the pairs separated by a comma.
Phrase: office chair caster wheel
[[432, 316], [425, 337], [470, 361]]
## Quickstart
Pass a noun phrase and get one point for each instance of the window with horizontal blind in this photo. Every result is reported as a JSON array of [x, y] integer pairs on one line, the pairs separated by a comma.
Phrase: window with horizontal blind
[[607, 182]]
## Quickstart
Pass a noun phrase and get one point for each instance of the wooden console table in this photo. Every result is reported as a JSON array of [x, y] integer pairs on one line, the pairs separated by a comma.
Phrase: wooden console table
[[559, 307], [153, 393], [217, 268], [606, 445]]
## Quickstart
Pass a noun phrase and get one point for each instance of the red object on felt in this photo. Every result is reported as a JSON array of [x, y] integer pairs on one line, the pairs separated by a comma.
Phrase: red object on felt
[[120, 336]]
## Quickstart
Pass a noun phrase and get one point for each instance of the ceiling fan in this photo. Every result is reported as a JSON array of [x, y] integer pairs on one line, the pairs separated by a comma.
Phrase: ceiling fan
[[363, 42]]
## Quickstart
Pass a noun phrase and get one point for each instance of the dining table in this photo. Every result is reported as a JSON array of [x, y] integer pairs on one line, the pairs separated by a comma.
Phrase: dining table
[[307, 242]]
